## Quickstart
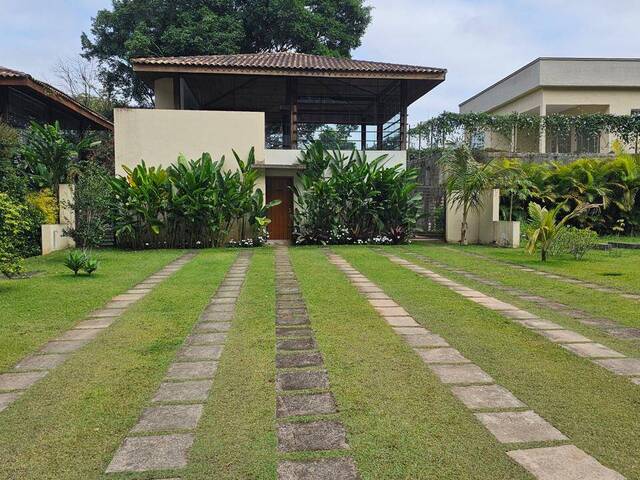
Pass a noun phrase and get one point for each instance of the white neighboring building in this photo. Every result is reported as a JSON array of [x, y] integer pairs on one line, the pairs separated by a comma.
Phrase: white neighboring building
[[568, 86]]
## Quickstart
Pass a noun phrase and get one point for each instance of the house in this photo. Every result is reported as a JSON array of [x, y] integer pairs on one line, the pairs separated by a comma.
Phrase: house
[[567, 86], [273, 102], [24, 99]]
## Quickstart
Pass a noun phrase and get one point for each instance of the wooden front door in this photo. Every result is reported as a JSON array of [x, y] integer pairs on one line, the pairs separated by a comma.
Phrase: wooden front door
[[279, 188]]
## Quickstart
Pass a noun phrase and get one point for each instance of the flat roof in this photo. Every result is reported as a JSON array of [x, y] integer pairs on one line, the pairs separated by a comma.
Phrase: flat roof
[[603, 74]]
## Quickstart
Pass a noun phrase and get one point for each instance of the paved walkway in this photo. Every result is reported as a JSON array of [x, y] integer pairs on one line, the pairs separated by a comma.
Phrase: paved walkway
[[164, 434], [303, 389], [561, 278], [35, 367], [574, 342], [505, 416]]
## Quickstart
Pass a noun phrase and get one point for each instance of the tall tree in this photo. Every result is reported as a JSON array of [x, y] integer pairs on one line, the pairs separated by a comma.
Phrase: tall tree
[[138, 28]]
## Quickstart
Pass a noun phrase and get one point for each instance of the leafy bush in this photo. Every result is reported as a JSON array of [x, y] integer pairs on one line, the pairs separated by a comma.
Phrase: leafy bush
[[44, 202], [350, 199], [574, 241], [90, 265], [15, 226], [75, 261]]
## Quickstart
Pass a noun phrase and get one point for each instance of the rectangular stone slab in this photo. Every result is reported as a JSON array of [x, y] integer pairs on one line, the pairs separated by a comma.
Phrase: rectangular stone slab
[[191, 370], [213, 327], [41, 362], [441, 355], [564, 336], [293, 332], [477, 397], [401, 321], [64, 347], [425, 340], [141, 454], [540, 325], [96, 323], [302, 380], [80, 334], [313, 436], [592, 350], [7, 399], [206, 338], [298, 360], [519, 427], [200, 352], [452, 374], [305, 404], [296, 344], [197, 390], [567, 462], [20, 381], [169, 417], [622, 366], [342, 468]]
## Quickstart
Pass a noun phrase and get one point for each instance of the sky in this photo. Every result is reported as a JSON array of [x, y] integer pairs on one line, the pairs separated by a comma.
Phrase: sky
[[477, 41]]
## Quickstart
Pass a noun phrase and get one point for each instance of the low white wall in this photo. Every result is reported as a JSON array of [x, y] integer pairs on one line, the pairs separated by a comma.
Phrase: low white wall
[[53, 239], [507, 234]]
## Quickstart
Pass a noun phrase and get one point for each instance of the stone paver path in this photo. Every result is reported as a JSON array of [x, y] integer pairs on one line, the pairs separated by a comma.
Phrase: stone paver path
[[509, 419], [163, 436], [609, 327], [53, 354], [571, 341], [303, 389], [556, 276]]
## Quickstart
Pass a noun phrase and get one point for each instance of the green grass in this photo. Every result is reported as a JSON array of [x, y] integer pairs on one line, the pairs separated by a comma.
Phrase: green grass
[[600, 304], [402, 422], [34, 310], [597, 410], [616, 238], [236, 436], [69, 425], [617, 269]]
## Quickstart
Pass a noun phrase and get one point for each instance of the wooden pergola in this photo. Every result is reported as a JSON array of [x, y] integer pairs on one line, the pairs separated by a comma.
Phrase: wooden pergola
[[296, 91]]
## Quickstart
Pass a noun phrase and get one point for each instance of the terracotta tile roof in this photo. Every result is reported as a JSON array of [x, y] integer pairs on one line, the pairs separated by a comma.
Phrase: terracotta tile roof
[[8, 73], [286, 61]]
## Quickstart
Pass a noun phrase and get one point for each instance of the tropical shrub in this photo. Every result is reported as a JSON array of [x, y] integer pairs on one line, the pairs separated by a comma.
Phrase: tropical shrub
[[574, 241], [15, 225], [90, 265], [45, 203], [350, 199], [75, 261]]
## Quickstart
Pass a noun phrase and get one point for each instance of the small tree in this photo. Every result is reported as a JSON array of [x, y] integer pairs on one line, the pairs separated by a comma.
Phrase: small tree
[[466, 180]]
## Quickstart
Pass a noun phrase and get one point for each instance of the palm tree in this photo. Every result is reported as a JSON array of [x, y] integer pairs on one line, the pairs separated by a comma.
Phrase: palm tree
[[466, 180]]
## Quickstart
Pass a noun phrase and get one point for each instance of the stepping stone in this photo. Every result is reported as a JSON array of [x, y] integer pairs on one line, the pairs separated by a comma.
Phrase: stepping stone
[[636, 380], [442, 355], [191, 370], [313, 436], [128, 297], [376, 296], [119, 304], [343, 468], [191, 391], [223, 300], [20, 381], [401, 321], [41, 362], [564, 336], [298, 360], [7, 399], [541, 325], [139, 290], [219, 309], [107, 313], [169, 417], [562, 463], [296, 344], [521, 315], [98, 323], [477, 397], [206, 338], [493, 304], [303, 320], [232, 295], [302, 380], [369, 289], [451, 374], [592, 350], [519, 427], [293, 332], [205, 352], [425, 340], [622, 366], [305, 404], [392, 312], [64, 347], [80, 334], [140, 454], [213, 327], [419, 330]]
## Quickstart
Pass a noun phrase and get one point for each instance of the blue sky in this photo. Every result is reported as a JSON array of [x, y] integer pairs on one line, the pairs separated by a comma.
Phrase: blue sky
[[478, 41]]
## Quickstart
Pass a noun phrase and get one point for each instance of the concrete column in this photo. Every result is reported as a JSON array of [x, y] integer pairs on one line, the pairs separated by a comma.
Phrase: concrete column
[[542, 146]]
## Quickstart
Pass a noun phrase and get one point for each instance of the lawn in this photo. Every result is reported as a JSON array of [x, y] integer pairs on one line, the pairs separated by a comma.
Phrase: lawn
[[34, 310]]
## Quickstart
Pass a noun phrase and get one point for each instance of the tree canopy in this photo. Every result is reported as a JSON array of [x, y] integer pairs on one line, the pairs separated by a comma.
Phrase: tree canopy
[[139, 28]]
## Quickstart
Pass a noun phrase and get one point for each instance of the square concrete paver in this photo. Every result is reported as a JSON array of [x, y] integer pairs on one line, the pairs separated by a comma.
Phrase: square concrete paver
[[42, 362], [425, 340], [342, 468], [20, 381], [302, 380], [518, 427], [476, 397], [564, 336], [296, 344], [191, 370], [298, 360], [305, 404], [592, 350], [622, 366], [140, 454], [7, 399], [313, 436], [442, 355], [540, 325], [562, 463], [183, 391], [451, 374], [201, 352], [169, 417]]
